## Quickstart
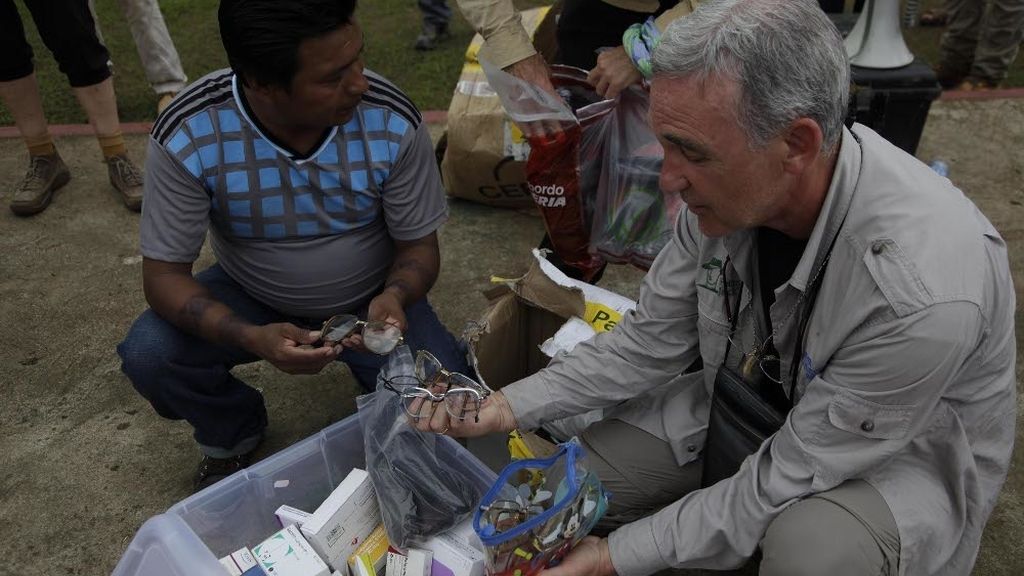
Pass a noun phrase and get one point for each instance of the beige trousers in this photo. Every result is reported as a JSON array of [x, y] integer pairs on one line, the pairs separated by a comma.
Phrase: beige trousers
[[846, 531]]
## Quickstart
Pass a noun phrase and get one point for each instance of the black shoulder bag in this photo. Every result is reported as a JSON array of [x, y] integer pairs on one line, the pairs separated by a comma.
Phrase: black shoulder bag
[[742, 417]]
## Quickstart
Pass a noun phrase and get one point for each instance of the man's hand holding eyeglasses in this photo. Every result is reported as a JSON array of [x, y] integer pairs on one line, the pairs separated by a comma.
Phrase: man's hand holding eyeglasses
[[495, 416], [285, 346], [386, 307]]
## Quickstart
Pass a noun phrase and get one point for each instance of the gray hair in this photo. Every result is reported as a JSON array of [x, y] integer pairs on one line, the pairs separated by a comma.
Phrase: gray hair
[[786, 56]]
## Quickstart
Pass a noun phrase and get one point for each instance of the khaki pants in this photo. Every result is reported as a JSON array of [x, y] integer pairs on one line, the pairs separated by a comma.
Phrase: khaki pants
[[153, 43], [982, 43], [846, 531]]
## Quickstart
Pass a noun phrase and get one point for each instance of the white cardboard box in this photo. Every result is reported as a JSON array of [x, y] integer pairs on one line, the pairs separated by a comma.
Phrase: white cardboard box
[[452, 557], [346, 518], [413, 563], [287, 515], [287, 553], [241, 562]]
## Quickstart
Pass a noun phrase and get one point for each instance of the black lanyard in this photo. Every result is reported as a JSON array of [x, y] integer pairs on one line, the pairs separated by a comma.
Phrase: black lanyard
[[802, 320]]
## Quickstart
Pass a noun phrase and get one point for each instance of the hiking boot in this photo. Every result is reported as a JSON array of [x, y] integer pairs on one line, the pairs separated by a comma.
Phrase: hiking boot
[[976, 84], [212, 470], [126, 179], [950, 76], [431, 36], [45, 175]]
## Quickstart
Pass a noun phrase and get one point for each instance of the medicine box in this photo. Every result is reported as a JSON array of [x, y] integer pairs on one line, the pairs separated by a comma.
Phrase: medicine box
[[287, 553], [239, 511], [344, 520]]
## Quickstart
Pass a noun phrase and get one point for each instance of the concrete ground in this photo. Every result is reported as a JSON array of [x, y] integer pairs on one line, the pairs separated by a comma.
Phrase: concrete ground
[[84, 460]]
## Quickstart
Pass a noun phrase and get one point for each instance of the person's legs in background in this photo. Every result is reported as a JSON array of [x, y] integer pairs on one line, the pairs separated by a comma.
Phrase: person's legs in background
[[156, 49], [436, 14], [187, 378], [1002, 30], [19, 92], [959, 41], [69, 31]]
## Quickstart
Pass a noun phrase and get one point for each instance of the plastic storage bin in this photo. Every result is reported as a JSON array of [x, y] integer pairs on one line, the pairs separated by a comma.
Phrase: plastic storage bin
[[188, 539]]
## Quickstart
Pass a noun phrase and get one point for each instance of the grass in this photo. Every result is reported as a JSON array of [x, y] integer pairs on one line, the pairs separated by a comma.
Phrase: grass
[[390, 28]]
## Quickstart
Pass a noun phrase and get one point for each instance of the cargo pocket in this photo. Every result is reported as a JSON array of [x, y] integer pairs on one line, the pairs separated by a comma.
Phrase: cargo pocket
[[869, 419]]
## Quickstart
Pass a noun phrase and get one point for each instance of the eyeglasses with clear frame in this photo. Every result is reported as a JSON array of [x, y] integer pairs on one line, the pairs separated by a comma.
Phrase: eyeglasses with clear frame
[[378, 337]]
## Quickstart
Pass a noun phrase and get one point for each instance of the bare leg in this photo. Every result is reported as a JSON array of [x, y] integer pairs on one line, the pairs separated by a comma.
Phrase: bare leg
[[100, 106], [22, 98]]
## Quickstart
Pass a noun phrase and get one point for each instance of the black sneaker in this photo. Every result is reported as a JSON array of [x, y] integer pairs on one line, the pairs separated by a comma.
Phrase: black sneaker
[[213, 470], [431, 36]]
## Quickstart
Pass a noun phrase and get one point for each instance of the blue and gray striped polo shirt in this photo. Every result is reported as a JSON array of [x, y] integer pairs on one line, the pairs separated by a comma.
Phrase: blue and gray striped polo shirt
[[309, 236]]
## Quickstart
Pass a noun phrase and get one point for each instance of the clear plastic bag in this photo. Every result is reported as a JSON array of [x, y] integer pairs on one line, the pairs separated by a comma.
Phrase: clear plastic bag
[[418, 495], [633, 218], [596, 180], [537, 510]]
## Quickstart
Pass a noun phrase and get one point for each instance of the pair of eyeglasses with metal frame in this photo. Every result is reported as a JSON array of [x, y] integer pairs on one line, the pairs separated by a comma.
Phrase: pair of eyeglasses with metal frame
[[378, 337], [507, 514], [462, 396]]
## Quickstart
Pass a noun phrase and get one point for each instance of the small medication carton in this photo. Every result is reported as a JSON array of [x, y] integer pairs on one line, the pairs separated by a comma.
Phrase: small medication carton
[[414, 562], [464, 533], [287, 553], [371, 557], [241, 562], [452, 557], [345, 519], [287, 515]]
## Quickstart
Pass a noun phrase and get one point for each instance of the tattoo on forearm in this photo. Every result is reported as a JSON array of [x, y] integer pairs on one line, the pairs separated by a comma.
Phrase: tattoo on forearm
[[192, 313], [228, 328], [426, 274]]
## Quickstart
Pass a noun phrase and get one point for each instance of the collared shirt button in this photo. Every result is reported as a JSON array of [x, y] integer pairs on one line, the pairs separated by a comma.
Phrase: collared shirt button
[[867, 425], [877, 247], [691, 448]]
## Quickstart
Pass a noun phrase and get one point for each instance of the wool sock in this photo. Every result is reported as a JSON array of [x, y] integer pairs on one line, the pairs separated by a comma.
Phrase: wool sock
[[40, 145], [112, 145]]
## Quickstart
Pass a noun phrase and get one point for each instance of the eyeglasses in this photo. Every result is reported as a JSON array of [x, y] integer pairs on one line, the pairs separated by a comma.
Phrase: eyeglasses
[[770, 364], [459, 402], [430, 370], [507, 514], [378, 337]]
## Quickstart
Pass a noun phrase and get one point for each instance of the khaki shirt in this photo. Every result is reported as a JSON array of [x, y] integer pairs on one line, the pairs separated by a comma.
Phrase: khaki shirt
[[907, 382], [507, 42]]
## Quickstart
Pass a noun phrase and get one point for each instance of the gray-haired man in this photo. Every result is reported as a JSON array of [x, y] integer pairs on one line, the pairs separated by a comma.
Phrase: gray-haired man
[[902, 389]]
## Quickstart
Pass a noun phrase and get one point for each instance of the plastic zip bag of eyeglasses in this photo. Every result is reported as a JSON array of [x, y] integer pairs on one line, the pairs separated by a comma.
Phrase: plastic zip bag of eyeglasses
[[419, 494], [537, 510]]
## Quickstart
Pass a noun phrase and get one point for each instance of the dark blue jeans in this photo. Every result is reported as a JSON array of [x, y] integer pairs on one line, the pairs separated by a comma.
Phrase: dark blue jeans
[[186, 377]]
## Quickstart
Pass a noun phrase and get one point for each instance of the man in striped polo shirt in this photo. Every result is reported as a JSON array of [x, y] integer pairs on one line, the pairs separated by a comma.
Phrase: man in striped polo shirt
[[317, 182]]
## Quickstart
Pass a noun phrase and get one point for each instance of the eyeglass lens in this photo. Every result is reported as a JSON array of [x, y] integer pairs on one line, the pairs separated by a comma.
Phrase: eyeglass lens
[[381, 337], [378, 337], [337, 328]]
